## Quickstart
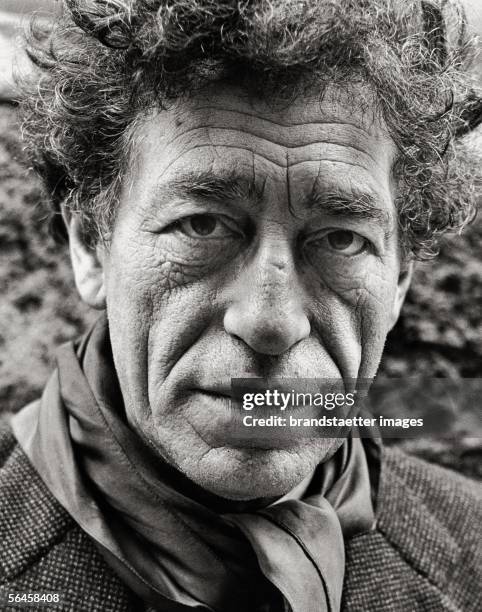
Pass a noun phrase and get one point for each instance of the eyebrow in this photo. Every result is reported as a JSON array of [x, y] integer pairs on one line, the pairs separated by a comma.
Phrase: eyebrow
[[209, 186], [357, 204]]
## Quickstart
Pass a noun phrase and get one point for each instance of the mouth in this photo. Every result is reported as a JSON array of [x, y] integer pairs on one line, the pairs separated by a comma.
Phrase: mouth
[[216, 391], [220, 396], [226, 422]]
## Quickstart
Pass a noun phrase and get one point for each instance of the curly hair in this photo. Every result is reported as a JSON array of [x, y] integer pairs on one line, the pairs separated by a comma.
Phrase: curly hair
[[105, 63]]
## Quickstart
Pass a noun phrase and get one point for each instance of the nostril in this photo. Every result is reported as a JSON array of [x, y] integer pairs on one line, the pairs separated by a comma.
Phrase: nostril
[[279, 265]]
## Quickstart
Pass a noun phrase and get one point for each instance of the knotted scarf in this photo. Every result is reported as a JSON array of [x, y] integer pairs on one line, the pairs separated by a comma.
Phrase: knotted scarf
[[178, 548]]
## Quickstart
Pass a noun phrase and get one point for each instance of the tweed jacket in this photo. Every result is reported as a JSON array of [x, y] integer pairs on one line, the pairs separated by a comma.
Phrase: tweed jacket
[[424, 554]]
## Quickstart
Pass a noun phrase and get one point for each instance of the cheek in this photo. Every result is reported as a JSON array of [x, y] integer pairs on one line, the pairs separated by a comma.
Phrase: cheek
[[157, 308], [375, 316], [353, 314], [373, 313], [129, 311]]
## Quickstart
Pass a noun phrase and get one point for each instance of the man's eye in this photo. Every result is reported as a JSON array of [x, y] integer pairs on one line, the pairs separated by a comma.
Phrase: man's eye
[[205, 226], [343, 242]]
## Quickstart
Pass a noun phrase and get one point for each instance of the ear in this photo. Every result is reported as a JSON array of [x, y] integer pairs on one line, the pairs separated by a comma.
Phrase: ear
[[87, 263], [404, 280]]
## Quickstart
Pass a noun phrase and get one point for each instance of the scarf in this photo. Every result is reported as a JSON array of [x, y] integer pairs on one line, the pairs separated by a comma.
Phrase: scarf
[[179, 548]]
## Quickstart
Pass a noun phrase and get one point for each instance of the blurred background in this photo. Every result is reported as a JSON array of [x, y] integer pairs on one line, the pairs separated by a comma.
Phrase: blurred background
[[439, 333]]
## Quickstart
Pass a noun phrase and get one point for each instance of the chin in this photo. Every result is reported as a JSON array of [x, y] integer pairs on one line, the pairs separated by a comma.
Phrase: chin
[[247, 474]]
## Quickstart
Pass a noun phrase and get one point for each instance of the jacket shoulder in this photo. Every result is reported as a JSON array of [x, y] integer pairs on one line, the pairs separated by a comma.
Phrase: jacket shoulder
[[414, 493], [425, 552], [31, 521], [42, 549]]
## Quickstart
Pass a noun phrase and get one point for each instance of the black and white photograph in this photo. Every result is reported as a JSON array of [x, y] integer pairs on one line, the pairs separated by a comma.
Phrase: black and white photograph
[[241, 305]]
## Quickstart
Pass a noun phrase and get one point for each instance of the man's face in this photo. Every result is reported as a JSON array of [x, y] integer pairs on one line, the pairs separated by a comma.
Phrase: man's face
[[249, 241]]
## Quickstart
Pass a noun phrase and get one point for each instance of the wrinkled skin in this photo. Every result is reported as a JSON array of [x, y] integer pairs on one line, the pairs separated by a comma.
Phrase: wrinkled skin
[[230, 256]]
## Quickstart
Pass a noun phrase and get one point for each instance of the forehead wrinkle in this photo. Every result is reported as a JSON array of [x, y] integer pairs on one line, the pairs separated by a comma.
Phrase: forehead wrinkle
[[288, 142], [279, 164], [271, 140], [292, 124]]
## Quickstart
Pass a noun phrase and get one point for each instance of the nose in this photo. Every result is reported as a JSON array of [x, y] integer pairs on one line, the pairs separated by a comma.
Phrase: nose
[[266, 310]]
